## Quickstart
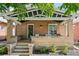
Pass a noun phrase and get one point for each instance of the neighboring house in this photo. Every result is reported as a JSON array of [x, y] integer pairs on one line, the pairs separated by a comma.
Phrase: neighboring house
[[3, 31], [76, 32]]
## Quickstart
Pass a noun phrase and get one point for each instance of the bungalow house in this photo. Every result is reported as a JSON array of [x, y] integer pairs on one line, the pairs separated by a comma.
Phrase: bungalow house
[[40, 30]]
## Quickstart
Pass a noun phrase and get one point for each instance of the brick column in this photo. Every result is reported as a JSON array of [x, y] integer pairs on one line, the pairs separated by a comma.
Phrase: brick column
[[71, 31], [9, 31], [11, 40]]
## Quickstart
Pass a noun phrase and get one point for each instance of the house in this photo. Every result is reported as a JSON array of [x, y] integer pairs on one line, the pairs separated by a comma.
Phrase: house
[[76, 32], [42, 30], [3, 29], [38, 30]]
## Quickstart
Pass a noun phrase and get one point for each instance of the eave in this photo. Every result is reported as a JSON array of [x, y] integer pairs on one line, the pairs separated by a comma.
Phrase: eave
[[46, 18]]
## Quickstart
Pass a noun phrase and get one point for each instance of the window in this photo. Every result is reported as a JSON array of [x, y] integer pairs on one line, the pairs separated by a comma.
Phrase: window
[[35, 12], [58, 15], [26, 15], [30, 14], [2, 27], [54, 15], [52, 29], [13, 31], [39, 12]]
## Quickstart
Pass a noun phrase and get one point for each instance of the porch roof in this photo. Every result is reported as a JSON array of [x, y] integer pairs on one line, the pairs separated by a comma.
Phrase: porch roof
[[46, 18]]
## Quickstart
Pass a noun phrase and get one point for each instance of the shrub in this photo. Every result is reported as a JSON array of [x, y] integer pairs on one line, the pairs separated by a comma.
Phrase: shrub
[[3, 50], [44, 50], [41, 50], [65, 49], [53, 48]]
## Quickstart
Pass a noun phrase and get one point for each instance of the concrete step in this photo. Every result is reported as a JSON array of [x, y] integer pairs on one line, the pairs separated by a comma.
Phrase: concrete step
[[21, 50], [21, 47], [21, 54]]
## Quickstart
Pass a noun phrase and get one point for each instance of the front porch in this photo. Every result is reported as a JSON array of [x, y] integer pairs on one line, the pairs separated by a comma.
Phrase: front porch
[[40, 33], [49, 31]]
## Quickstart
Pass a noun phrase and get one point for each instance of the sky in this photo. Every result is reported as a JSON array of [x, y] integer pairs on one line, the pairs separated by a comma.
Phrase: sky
[[57, 4]]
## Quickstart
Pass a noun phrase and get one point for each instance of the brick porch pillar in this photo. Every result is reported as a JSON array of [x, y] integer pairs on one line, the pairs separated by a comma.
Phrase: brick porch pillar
[[11, 40], [9, 31]]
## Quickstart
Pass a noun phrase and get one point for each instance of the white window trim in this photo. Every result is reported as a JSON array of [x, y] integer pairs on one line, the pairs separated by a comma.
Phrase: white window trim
[[14, 32], [66, 29], [49, 25], [28, 30]]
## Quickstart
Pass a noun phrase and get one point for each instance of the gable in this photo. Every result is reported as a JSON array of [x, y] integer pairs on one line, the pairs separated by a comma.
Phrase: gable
[[38, 13]]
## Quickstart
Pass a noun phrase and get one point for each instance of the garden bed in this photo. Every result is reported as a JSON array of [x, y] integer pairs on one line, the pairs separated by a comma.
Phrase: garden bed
[[52, 50]]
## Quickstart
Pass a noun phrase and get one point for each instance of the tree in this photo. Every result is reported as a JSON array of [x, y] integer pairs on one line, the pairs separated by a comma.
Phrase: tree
[[70, 8], [21, 9]]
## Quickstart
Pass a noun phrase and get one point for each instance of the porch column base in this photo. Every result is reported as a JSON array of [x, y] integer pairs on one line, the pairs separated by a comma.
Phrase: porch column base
[[10, 48], [31, 49]]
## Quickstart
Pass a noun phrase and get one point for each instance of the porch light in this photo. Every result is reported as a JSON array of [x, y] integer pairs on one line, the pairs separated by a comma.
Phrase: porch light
[[41, 26]]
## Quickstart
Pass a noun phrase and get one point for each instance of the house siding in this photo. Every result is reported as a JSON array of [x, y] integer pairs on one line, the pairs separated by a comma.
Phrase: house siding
[[76, 32], [61, 29], [22, 29], [3, 32]]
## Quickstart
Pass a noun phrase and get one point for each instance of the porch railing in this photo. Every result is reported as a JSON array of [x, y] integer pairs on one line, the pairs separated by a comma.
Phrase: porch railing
[[51, 40]]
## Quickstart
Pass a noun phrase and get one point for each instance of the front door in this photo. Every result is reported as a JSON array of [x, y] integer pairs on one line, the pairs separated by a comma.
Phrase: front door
[[30, 30]]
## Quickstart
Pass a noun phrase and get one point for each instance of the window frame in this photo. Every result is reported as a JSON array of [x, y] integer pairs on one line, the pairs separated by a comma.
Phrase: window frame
[[48, 28]]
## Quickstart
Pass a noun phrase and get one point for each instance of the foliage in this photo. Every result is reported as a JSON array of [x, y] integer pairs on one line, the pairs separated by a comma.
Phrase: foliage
[[53, 48], [44, 50], [21, 9], [70, 8], [41, 50], [3, 50], [65, 49], [47, 8]]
